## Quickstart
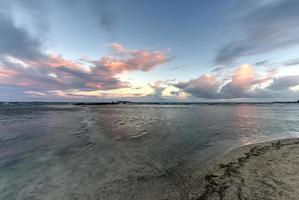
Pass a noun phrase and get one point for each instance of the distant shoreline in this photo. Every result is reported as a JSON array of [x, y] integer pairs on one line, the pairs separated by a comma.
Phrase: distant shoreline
[[265, 170], [146, 103]]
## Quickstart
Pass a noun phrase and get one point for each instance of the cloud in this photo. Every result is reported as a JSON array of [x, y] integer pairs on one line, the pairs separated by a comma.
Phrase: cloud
[[267, 27], [205, 86], [261, 63], [98, 10], [164, 91], [117, 48], [284, 83], [16, 42], [157, 94], [243, 83], [218, 69], [103, 12], [54, 72], [45, 73], [143, 60], [292, 62], [25, 65]]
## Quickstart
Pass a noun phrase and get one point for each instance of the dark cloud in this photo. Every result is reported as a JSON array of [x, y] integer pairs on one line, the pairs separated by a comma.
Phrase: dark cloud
[[205, 86], [175, 93], [106, 17], [36, 12], [230, 52], [217, 69], [234, 91], [158, 89], [284, 83], [261, 63], [268, 27], [292, 62], [16, 41], [98, 10]]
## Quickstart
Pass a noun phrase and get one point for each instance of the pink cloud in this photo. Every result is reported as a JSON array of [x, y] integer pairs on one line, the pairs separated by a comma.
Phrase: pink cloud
[[7, 73], [58, 61], [54, 61], [243, 83], [53, 72], [117, 47], [243, 77], [130, 60]]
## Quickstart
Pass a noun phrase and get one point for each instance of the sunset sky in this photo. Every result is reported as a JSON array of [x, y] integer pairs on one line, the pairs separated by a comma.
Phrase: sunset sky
[[154, 50]]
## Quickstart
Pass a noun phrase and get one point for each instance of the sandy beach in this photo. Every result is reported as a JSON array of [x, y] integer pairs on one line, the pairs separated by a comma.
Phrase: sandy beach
[[261, 171]]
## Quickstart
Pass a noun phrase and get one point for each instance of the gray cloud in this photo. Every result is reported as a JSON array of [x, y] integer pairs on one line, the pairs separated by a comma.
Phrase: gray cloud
[[38, 78], [202, 87], [234, 91], [228, 91], [38, 12], [35, 12], [292, 62], [261, 63], [267, 28], [157, 93], [20, 46], [106, 17], [244, 84], [17, 42], [284, 83], [25, 66], [55, 73], [100, 10], [217, 69]]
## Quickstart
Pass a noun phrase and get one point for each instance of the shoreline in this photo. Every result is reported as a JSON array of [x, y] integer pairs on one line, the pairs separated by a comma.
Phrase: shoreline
[[267, 170]]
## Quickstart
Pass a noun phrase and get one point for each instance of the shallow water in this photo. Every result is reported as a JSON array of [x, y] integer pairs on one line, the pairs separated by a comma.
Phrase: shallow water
[[125, 151]]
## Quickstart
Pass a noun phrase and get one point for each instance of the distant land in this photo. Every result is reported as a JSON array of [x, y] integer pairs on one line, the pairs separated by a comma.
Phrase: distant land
[[3, 103]]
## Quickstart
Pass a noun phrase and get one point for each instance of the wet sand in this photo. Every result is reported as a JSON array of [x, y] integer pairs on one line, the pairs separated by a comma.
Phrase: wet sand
[[261, 171]]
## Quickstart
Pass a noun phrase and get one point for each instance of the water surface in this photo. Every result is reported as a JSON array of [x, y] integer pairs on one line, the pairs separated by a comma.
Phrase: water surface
[[125, 151]]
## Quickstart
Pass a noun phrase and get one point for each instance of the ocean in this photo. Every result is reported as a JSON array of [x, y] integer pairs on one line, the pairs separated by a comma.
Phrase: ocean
[[66, 151]]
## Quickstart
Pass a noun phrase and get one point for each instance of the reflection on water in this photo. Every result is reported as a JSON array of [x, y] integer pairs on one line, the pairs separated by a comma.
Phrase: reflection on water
[[246, 123], [124, 151]]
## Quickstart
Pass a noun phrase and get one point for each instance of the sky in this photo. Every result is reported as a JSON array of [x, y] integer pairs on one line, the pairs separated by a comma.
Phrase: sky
[[138, 50]]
